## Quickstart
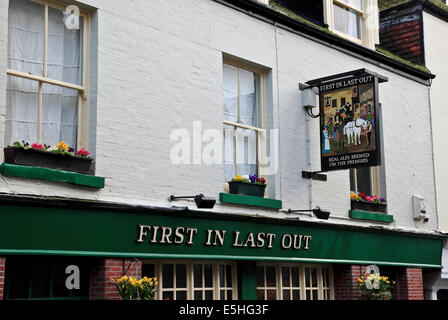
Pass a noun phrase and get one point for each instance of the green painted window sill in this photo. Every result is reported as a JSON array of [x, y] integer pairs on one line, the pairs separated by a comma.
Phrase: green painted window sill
[[13, 170], [250, 201], [373, 216]]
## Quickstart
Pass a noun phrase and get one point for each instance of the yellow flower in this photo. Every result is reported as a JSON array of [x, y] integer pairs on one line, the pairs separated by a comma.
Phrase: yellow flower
[[157, 283], [62, 146], [238, 178], [155, 278]]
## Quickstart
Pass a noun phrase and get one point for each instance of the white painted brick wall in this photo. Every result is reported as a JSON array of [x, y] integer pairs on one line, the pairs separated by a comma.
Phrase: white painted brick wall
[[160, 68]]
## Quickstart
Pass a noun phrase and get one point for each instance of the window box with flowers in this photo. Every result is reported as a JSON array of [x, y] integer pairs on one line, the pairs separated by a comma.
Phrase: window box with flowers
[[60, 157], [249, 191], [369, 208], [59, 163], [248, 185]]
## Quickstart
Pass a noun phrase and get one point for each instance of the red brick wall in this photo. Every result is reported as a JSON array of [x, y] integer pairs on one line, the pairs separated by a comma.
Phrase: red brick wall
[[403, 37], [409, 284], [346, 281], [2, 276], [101, 286]]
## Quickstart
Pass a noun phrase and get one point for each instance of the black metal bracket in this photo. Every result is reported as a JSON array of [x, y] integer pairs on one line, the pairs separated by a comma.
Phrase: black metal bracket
[[314, 175]]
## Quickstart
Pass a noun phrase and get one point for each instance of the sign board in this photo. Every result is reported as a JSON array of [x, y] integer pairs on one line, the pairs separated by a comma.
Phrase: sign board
[[349, 121]]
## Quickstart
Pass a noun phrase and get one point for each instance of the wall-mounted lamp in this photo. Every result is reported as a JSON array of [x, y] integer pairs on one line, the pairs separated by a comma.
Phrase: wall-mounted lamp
[[202, 202], [318, 212], [309, 99]]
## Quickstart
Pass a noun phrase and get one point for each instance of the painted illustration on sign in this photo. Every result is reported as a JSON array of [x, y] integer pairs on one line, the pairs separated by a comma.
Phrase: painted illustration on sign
[[348, 123]]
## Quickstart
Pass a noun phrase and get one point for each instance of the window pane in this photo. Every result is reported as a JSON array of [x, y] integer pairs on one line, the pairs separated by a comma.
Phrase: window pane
[[248, 101], [209, 295], [296, 295], [59, 115], [181, 275], [295, 277], [167, 275], [307, 277], [230, 92], [270, 276], [315, 295], [222, 294], [168, 295], [285, 276], [222, 278], [208, 275], [181, 295], [197, 275], [260, 276], [260, 295], [198, 295], [272, 294], [347, 21], [229, 275], [26, 37], [229, 294], [286, 295], [363, 179], [314, 277], [64, 49], [21, 110]]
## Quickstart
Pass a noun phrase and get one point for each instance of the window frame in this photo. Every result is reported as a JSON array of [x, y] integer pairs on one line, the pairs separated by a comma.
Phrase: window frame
[[190, 289], [303, 288], [374, 181], [369, 22], [82, 139], [262, 100], [362, 17]]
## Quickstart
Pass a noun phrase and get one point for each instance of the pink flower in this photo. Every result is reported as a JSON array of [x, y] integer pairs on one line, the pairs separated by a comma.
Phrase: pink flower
[[369, 198], [37, 146], [83, 153]]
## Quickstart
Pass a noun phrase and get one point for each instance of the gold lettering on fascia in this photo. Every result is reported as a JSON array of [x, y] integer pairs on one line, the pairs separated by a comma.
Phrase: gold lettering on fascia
[[217, 238]]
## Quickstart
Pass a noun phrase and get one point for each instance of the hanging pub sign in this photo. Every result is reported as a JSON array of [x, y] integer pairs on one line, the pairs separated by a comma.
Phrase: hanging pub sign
[[349, 120]]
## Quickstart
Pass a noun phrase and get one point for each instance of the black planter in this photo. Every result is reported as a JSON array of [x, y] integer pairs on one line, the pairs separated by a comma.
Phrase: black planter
[[372, 207], [51, 160], [248, 189]]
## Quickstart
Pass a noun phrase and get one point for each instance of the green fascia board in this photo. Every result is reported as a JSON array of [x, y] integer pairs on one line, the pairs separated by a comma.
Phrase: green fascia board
[[44, 230], [13, 170], [250, 201], [366, 215]]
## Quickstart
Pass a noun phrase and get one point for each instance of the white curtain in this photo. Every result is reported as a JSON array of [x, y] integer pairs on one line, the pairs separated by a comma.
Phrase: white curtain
[[25, 54], [244, 139], [347, 21]]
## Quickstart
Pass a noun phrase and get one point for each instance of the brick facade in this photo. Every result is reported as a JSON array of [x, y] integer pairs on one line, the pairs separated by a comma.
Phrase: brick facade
[[101, 286], [2, 276], [409, 282], [402, 36], [346, 281]]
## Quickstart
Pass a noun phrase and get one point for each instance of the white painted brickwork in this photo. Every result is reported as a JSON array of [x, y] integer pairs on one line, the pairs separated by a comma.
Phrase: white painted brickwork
[[160, 68]]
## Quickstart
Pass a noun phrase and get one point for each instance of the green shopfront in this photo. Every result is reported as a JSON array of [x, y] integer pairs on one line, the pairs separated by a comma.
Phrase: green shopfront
[[196, 255]]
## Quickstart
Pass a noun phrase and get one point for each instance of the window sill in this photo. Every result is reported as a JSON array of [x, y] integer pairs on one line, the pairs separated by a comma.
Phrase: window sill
[[373, 216], [250, 201], [13, 170]]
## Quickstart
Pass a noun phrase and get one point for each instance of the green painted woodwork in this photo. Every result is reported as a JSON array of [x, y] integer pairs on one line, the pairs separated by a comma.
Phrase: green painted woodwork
[[13, 170], [365, 215], [247, 277], [114, 233], [250, 200]]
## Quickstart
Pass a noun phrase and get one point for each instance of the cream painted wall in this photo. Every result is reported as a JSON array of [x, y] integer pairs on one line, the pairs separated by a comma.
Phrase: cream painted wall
[[436, 56], [160, 69]]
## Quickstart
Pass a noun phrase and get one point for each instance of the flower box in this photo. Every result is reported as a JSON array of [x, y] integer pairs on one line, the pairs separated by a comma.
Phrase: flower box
[[51, 160], [368, 206], [249, 189]]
